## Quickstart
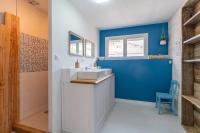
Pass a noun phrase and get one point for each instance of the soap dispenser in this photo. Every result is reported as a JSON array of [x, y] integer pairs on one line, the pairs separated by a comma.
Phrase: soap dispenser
[[77, 64], [95, 65]]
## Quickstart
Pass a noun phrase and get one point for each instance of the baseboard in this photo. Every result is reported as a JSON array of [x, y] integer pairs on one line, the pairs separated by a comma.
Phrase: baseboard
[[19, 128], [134, 102], [65, 132]]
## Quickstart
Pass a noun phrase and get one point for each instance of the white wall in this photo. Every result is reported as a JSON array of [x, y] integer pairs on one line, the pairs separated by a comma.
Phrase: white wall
[[65, 18], [175, 49], [33, 86], [33, 93]]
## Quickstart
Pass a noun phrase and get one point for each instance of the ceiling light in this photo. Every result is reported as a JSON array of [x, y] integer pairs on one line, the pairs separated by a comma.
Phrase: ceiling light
[[101, 1]]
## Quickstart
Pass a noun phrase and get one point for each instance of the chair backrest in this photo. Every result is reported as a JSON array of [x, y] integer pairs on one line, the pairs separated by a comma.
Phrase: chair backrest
[[174, 89]]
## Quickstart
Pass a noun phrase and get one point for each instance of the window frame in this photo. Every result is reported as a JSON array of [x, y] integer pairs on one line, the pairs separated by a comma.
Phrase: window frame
[[124, 38]]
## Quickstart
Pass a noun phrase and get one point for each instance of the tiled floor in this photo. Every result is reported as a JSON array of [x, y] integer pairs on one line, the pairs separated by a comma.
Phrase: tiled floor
[[125, 118], [38, 121], [138, 118]]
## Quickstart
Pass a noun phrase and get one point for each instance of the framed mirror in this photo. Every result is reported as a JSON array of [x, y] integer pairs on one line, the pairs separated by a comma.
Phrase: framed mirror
[[89, 49], [76, 44]]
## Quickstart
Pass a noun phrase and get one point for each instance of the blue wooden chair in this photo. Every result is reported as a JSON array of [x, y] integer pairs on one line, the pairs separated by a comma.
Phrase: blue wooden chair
[[168, 98]]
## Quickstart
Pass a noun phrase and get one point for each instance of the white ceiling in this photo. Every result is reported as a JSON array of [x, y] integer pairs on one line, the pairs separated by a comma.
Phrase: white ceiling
[[119, 13]]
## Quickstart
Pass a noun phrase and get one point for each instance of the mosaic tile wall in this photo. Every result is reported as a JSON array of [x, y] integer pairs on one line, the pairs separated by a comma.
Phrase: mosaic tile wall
[[33, 54]]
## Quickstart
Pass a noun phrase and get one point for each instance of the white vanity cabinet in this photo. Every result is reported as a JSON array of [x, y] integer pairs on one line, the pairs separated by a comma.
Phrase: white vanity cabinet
[[85, 106], [104, 100]]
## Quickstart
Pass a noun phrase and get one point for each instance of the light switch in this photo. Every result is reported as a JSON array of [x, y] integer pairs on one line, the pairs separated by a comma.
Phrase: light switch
[[57, 57]]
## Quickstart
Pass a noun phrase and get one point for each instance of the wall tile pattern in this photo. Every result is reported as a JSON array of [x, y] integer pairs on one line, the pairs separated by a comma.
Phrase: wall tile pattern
[[33, 53]]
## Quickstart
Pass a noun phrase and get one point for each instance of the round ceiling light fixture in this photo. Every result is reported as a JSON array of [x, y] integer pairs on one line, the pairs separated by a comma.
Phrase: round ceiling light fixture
[[101, 1]]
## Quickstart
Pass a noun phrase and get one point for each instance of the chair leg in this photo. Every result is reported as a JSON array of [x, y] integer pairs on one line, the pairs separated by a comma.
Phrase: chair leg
[[171, 108], [174, 110], [159, 107], [156, 105]]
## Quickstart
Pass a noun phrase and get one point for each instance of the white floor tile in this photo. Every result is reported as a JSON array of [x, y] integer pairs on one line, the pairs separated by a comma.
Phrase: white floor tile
[[136, 118], [38, 121]]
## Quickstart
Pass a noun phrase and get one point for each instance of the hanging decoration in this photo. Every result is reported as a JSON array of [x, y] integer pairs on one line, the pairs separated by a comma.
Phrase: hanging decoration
[[163, 39]]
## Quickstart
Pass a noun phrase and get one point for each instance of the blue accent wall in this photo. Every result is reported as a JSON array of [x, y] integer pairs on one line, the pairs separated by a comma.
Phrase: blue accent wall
[[139, 79], [154, 34]]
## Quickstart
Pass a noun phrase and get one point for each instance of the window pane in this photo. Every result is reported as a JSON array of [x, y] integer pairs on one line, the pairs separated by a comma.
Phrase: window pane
[[88, 48], [115, 48], [80, 49], [135, 46], [73, 48]]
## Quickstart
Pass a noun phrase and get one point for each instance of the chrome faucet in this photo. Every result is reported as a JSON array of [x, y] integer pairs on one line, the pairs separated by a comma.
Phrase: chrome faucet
[[87, 68]]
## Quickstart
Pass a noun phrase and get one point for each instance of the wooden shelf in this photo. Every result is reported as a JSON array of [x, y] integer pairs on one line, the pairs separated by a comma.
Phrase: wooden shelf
[[193, 100], [193, 40], [190, 129], [191, 3], [190, 31], [193, 20], [192, 61]]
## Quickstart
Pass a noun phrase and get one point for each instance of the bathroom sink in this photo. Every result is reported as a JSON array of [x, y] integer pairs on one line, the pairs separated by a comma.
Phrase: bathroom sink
[[93, 74], [107, 71]]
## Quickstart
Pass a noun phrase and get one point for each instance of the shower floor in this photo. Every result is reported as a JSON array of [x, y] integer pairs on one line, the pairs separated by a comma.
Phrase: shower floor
[[37, 121]]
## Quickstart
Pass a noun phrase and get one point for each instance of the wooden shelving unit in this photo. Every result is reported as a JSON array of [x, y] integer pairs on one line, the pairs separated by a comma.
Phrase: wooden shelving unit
[[191, 66], [191, 3], [192, 61], [190, 129], [192, 40], [193, 100], [193, 20]]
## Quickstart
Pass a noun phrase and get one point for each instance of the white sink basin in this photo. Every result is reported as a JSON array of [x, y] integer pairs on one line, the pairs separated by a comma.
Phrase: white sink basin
[[93, 74]]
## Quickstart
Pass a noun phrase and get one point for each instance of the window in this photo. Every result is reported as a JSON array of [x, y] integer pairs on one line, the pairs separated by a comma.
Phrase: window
[[135, 46], [80, 48], [73, 48], [116, 48], [88, 49], [127, 46]]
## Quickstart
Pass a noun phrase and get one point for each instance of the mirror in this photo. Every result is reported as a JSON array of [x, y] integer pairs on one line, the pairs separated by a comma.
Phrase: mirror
[[76, 44], [89, 49]]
